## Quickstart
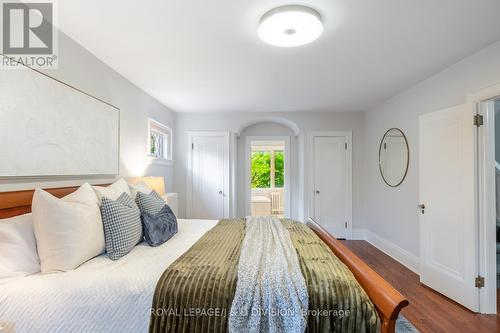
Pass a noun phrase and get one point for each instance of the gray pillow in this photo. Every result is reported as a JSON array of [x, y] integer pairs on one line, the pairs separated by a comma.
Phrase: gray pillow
[[150, 203], [158, 221], [160, 227], [122, 225]]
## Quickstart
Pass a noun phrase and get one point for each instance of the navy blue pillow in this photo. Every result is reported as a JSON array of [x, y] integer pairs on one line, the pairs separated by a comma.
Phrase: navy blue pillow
[[159, 227]]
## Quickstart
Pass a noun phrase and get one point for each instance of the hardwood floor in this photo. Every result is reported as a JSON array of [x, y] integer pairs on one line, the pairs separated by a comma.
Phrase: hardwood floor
[[428, 311]]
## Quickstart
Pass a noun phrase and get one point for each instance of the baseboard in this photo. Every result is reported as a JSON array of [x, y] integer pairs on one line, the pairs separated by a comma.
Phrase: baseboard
[[404, 257], [358, 234], [399, 254]]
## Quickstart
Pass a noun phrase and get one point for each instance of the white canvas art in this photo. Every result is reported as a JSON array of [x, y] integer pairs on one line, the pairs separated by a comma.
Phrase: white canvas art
[[48, 128]]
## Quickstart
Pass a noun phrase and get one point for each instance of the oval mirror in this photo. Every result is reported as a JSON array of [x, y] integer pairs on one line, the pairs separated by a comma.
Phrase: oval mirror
[[393, 157]]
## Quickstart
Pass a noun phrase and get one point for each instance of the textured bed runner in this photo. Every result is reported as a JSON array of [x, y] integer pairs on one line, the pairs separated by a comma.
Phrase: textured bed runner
[[271, 295], [195, 293]]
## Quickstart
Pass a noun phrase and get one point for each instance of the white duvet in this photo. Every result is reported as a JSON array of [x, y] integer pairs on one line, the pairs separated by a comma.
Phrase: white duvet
[[100, 296]]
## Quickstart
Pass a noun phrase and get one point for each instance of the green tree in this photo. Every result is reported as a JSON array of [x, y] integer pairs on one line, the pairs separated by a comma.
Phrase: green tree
[[261, 169]]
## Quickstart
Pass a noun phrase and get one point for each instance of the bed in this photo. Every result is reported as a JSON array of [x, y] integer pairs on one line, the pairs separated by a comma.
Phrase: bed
[[102, 296]]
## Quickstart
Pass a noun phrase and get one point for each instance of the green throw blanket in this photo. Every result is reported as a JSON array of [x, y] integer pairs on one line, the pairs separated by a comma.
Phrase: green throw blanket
[[195, 293]]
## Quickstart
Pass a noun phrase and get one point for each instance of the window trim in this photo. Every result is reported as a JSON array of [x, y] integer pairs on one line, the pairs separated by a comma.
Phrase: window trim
[[287, 172], [166, 131]]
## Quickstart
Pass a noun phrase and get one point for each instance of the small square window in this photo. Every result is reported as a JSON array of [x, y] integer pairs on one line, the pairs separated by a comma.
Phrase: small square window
[[160, 141]]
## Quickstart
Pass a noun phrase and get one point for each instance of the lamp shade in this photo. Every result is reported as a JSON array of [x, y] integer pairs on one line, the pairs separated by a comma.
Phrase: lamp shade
[[154, 183]]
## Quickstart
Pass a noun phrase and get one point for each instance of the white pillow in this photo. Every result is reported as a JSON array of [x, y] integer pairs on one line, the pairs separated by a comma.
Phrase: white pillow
[[18, 256], [68, 231], [113, 191], [139, 187]]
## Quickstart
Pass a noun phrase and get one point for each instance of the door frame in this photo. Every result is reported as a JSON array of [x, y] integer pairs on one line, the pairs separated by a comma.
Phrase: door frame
[[288, 178], [189, 182], [432, 273], [486, 206], [309, 197]]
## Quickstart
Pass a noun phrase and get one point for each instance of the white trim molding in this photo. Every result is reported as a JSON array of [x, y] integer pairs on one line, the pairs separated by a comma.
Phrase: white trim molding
[[288, 178], [486, 166], [233, 180], [484, 94], [278, 120], [358, 234], [396, 252], [166, 132], [405, 258], [486, 204], [227, 179], [309, 178]]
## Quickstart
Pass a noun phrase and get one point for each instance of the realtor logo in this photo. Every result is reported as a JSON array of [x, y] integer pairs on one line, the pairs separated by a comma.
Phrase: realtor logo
[[27, 28], [28, 34]]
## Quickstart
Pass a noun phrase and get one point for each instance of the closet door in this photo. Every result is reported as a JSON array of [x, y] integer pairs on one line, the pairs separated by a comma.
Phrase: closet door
[[208, 176], [448, 227], [331, 184]]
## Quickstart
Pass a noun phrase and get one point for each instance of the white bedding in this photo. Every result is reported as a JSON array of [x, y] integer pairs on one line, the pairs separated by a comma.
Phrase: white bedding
[[101, 295]]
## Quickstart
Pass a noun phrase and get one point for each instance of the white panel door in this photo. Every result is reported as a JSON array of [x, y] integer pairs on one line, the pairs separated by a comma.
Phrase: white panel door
[[330, 184], [208, 176], [448, 246]]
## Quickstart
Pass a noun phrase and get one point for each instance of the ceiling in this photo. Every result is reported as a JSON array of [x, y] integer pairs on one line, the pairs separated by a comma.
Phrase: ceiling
[[205, 56]]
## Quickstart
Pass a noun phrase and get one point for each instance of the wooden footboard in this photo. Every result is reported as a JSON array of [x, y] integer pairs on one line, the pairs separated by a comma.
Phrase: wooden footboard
[[387, 300]]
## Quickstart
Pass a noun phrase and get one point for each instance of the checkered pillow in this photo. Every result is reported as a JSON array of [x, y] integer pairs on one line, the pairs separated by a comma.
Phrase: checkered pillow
[[122, 225], [150, 203]]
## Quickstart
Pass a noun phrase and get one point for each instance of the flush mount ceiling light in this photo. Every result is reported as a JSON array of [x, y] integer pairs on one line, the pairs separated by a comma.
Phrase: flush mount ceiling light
[[289, 26]]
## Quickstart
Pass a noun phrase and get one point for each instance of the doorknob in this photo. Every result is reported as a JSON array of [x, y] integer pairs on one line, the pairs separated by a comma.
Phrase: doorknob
[[220, 192], [422, 207], [317, 192]]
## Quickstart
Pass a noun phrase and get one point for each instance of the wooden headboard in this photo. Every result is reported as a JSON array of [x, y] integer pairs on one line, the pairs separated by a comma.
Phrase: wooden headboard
[[19, 202]]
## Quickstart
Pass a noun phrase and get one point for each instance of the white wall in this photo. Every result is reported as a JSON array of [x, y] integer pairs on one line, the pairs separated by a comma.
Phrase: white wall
[[81, 69], [389, 212], [234, 122], [392, 212]]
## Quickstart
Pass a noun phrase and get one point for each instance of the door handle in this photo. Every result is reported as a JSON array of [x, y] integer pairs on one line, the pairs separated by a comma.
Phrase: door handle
[[422, 207], [220, 192], [317, 192]]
